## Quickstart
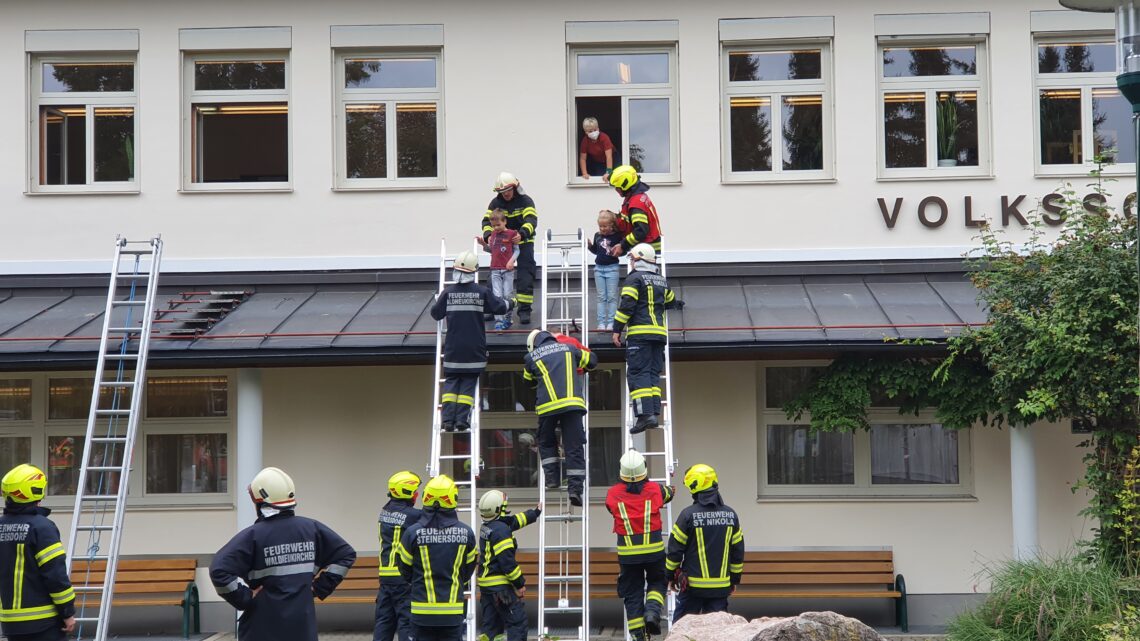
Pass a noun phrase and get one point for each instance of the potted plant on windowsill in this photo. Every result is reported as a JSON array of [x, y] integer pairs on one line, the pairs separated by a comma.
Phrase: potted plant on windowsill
[[948, 132]]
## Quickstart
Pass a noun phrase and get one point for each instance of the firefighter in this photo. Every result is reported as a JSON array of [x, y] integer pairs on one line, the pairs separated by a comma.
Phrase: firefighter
[[37, 602], [645, 295], [521, 217], [502, 585], [437, 555], [706, 548], [392, 615], [635, 504], [638, 217], [558, 369], [272, 569], [463, 304]]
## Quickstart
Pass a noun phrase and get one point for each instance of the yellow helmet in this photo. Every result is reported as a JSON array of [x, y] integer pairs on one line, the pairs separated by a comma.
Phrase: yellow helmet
[[24, 484], [700, 477], [624, 177], [441, 491], [403, 485]]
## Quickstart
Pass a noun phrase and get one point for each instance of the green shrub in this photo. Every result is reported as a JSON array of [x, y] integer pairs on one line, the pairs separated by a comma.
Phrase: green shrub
[[1062, 599], [1127, 629]]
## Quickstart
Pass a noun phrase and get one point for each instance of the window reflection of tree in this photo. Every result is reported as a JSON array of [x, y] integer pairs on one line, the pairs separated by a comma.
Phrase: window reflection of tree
[[243, 75], [95, 77], [803, 123], [750, 126]]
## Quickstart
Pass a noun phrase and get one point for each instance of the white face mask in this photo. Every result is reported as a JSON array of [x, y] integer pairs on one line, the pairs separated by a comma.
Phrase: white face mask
[[593, 135]]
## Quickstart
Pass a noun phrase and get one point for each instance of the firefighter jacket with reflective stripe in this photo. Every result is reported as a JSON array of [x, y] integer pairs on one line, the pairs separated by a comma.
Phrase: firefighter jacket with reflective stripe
[[35, 591], [553, 367], [636, 508], [292, 558], [437, 556], [644, 298], [396, 516], [521, 216], [497, 545], [708, 545], [465, 346], [638, 219]]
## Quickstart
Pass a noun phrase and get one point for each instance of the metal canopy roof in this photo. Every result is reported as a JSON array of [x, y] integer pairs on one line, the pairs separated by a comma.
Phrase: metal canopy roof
[[321, 319]]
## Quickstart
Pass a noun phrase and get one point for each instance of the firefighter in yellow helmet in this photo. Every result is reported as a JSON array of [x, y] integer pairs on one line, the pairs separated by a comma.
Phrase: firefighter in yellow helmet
[[392, 603], [437, 556], [37, 601], [706, 548]]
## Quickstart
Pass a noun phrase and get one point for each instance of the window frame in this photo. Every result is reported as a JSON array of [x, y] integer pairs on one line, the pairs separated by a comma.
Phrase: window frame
[[90, 100], [776, 90], [191, 96], [862, 488], [625, 93], [1086, 83], [343, 96], [930, 86]]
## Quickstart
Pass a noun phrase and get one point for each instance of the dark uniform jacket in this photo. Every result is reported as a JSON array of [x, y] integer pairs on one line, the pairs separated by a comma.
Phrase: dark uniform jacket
[[521, 216], [708, 545], [35, 590], [282, 554], [463, 305], [437, 557], [396, 517], [497, 546], [638, 219], [554, 366], [644, 298], [636, 508]]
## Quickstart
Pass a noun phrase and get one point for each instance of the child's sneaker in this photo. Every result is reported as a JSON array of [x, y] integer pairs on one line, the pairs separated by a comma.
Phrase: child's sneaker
[[502, 325]]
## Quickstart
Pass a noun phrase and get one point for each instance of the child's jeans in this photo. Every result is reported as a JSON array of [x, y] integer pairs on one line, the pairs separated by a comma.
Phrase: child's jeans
[[503, 286], [607, 278]]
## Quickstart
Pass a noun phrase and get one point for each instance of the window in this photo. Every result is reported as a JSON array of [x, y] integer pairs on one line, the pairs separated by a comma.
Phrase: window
[[776, 112], [933, 108], [236, 133], [632, 93], [1080, 113], [85, 130], [899, 456], [389, 126]]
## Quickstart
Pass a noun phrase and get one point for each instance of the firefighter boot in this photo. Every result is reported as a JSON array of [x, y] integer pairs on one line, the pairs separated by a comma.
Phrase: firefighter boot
[[638, 635], [524, 315], [652, 619], [448, 426], [575, 492], [644, 422], [553, 472]]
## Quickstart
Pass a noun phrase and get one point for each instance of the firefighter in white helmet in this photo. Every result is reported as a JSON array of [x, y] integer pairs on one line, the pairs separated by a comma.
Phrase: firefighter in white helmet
[[521, 217], [463, 304], [502, 585], [272, 569], [635, 504]]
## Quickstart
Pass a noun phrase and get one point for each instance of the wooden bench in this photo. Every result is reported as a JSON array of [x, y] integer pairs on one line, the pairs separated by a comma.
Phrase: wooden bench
[[360, 584], [140, 582]]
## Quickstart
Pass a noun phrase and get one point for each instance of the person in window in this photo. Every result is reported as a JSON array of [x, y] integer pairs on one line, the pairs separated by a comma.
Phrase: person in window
[[521, 217], [596, 153], [638, 217]]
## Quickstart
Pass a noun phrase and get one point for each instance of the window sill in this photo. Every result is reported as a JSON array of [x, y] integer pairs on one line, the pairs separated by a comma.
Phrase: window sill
[[778, 181], [864, 498], [395, 187], [596, 184], [1082, 172], [237, 190], [934, 176], [85, 192]]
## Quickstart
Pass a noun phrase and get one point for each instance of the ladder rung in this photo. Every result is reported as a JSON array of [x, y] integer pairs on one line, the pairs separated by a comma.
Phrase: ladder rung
[[121, 357], [96, 528], [563, 518], [86, 619], [139, 275], [564, 548], [113, 412], [91, 557], [108, 439], [104, 468], [566, 610], [100, 497], [88, 588], [570, 295], [124, 330], [560, 269], [137, 252], [116, 383], [454, 457], [563, 578], [128, 303]]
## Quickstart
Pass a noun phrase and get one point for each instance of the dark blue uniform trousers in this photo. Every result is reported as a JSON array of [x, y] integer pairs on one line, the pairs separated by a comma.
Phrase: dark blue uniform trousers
[[393, 612], [503, 611]]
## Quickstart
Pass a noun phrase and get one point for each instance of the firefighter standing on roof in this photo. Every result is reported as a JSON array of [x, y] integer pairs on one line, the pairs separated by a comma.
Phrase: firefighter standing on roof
[[463, 304], [272, 569], [706, 548], [437, 555], [392, 602], [635, 504], [521, 217], [645, 295], [638, 217], [37, 602], [502, 585]]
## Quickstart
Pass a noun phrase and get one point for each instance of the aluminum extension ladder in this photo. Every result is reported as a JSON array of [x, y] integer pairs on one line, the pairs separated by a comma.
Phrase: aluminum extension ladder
[[656, 445], [471, 462], [116, 406], [564, 532]]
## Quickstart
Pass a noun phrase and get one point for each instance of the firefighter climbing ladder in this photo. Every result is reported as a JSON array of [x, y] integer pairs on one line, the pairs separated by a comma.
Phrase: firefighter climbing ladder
[[116, 404], [563, 534], [471, 463], [659, 458]]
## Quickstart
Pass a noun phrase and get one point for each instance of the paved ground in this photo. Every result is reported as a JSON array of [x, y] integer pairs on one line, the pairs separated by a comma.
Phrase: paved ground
[[606, 634]]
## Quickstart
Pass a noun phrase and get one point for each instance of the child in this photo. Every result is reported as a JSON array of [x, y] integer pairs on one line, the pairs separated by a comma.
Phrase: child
[[502, 585], [503, 246], [606, 267]]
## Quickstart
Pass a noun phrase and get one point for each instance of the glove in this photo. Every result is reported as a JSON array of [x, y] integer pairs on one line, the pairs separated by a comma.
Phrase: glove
[[680, 581]]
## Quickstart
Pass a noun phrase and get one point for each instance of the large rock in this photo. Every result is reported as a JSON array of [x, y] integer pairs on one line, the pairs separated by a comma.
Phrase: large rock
[[809, 626]]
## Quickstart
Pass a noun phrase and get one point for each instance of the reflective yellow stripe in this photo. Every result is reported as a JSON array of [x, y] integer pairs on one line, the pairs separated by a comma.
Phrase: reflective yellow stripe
[[49, 553], [549, 406], [463, 399], [527, 376], [639, 217], [12, 615], [621, 317], [473, 554], [505, 544], [727, 544], [649, 301], [569, 365], [546, 379], [681, 537], [524, 298], [648, 519], [419, 607], [425, 561], [405, 556], [585, 360], [736, 568], [635, 330], [636, 624], [654, 595], [631, 550], [714, 582], [631, 239], [449, 397], [491, 581], [670, 296], [625, 520], [389, 568], [387, 571], [59, 598], [670, 564], [642, 392], [631, 292], [18, 579], [455, 573], [738, 537], [486, 563], [521, 519], [515, 573], [701, 552]]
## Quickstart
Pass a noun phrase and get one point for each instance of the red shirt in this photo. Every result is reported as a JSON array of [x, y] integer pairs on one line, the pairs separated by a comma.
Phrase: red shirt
[[596, 149], [501, 246]]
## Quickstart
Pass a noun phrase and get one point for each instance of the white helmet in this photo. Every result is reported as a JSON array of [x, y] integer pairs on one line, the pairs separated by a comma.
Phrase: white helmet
[[632, 466], [492, 504], [643, 251], [531, 338], [272, 486], [527, 439], [505, 181], [467, 262]]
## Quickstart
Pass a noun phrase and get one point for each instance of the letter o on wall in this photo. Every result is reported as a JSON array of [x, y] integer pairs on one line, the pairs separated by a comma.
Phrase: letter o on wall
[[944, 211]]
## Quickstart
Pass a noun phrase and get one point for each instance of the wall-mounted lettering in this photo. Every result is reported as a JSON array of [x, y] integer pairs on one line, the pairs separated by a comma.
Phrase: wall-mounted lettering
[[934, 211]]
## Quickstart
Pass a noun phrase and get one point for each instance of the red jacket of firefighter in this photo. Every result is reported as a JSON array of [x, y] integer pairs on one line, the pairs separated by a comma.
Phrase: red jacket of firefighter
[[638, 219], [636, 508]]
